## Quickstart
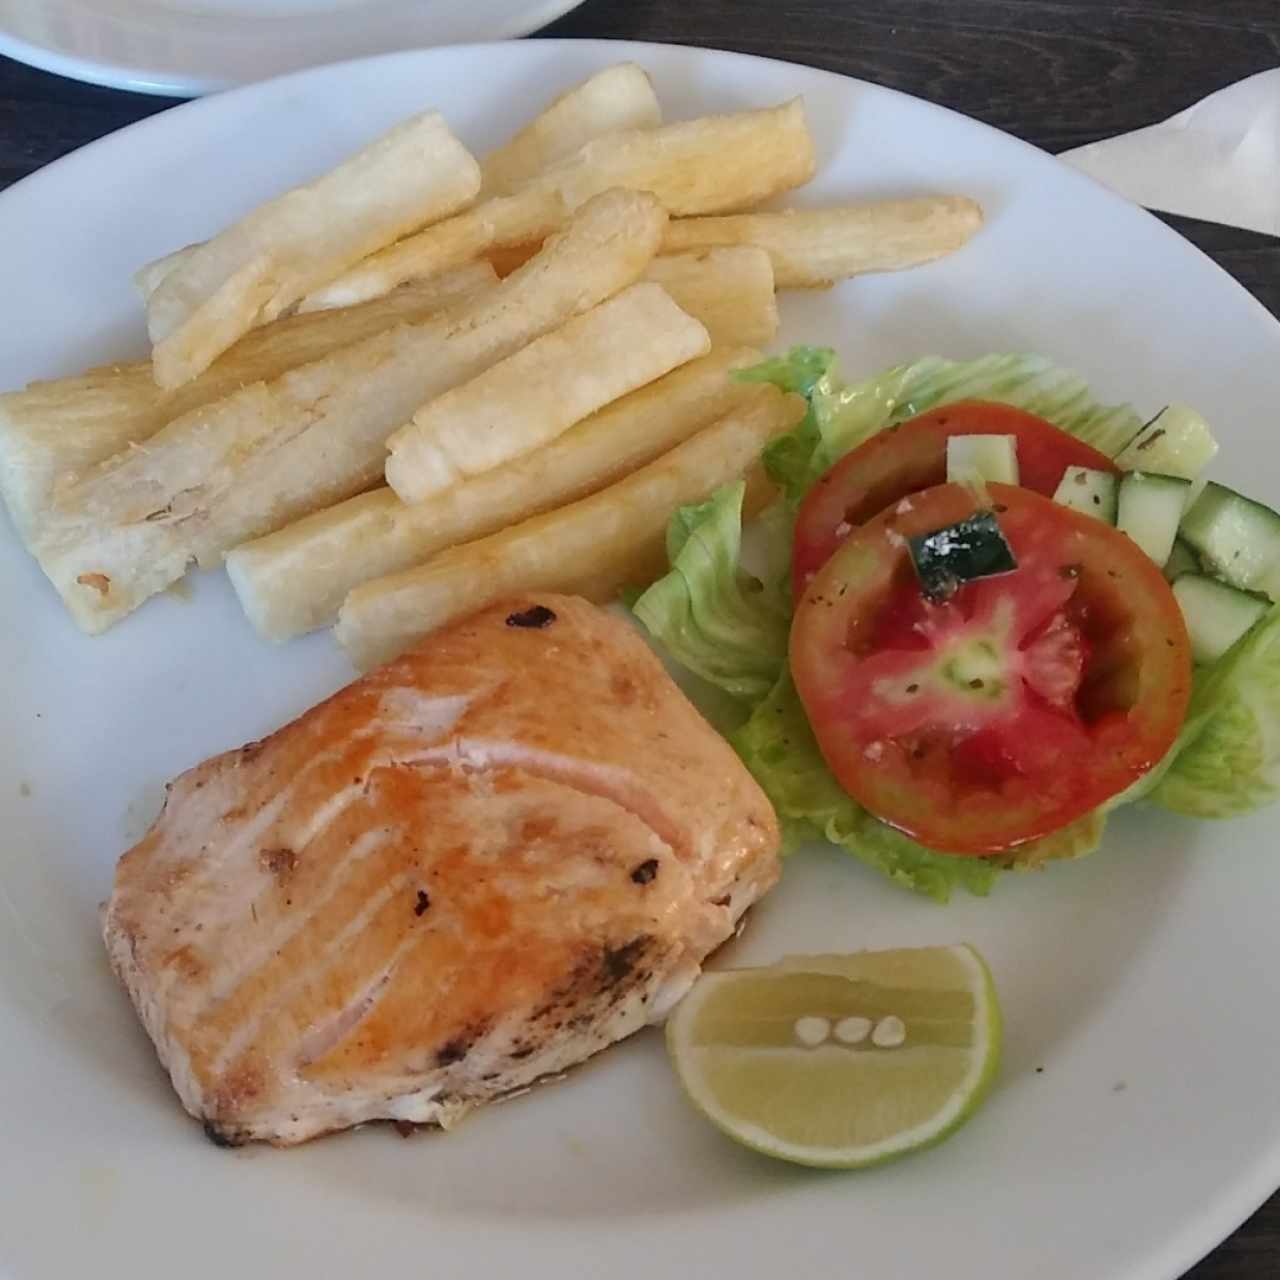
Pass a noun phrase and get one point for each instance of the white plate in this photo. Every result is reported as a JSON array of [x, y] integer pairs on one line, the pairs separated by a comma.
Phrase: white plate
[[1141, 980], [191, 47]]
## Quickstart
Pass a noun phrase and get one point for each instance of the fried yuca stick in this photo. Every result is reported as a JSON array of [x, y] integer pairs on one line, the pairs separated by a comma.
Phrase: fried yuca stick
[[730, 290], [593, 547], [256, 269], [53, 431], [539, 392], [295, 579], [619, 97], [811, 248], [275, 451], [712, 164], [505, 220], [695, 167]]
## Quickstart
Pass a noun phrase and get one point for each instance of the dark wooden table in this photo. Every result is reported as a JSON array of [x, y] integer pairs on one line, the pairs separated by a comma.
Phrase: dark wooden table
[[1058, 73]]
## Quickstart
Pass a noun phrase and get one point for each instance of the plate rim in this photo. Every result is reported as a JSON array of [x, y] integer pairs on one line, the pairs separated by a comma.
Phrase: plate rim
[[1237, 1201]]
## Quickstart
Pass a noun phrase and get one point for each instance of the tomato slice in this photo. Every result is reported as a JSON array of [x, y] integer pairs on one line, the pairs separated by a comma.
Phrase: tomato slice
[[913, 455], [1014, 707]]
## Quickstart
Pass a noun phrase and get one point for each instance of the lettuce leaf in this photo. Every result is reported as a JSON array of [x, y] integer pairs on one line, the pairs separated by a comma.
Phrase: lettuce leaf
[[707, 612], [1227, 759], [842, 417], [731, 628]]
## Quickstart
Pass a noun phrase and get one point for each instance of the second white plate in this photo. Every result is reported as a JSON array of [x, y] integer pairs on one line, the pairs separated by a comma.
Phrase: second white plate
[[191, 47]]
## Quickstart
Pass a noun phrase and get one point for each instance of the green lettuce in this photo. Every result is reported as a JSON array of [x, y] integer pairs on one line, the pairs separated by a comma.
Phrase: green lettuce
[[1226, 761], [730, 627], [707, 612], [842, 417]]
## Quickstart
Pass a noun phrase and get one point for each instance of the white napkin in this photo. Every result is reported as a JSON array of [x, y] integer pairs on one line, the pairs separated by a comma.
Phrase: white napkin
[[1218, 160]]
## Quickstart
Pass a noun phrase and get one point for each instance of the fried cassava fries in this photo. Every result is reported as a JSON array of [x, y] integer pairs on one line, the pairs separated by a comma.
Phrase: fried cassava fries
[[539, 392], [52, 431], [698, 166], [275, 451], [505, 220], [617, 98], [730, 290], [811, 248], [259, 267], [594, 547], [294, 580]]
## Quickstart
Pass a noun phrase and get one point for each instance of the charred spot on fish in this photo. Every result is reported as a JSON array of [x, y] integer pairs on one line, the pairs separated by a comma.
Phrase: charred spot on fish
[[456, 1049], [645, 872], [518, 1055], [618, 962], [221, 1138], [536, 616], [278, 862], [250, 750], [423, 902], [98, 582]]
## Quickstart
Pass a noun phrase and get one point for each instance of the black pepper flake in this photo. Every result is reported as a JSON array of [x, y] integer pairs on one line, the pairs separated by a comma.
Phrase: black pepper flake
[[423, 902], [536, 616], [645, 872]]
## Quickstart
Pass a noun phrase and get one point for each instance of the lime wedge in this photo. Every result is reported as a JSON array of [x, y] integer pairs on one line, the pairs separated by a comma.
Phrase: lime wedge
[[840, 1061]]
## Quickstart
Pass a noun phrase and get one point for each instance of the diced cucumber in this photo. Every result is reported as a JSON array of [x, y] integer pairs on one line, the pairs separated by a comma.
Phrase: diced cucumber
[[1216, 615], [1093, 492], [972, 548], [1176, 442], [1237, 539], [1181, 560], [1150, 509], [993, 459]]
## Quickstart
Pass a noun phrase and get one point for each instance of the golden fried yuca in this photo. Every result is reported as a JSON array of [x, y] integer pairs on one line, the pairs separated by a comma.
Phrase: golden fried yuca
[[540, 391], [51, 432], [493, 224], [593, 547], [730, 290], [256, 269], [815, 247], [698, 166], [275, 451], [617, 98], [295, 579], [708, 165]]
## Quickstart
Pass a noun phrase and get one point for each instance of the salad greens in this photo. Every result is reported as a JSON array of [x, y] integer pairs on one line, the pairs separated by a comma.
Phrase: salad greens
[[730, 626]]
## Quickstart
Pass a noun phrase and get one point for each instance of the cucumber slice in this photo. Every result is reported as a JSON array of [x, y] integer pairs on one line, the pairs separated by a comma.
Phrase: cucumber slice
[[1237, 539], [1216, 615], [1181, 560], [992, 459], [1150, 509], [971, 548], [1093, 492], [1176, 442]]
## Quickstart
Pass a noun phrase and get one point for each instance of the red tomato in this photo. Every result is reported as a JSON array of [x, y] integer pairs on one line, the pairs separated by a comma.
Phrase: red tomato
[[913, 455], [1020, 703]]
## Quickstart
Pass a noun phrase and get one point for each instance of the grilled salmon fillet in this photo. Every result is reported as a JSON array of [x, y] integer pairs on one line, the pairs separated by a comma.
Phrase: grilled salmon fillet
[[474, 867]]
